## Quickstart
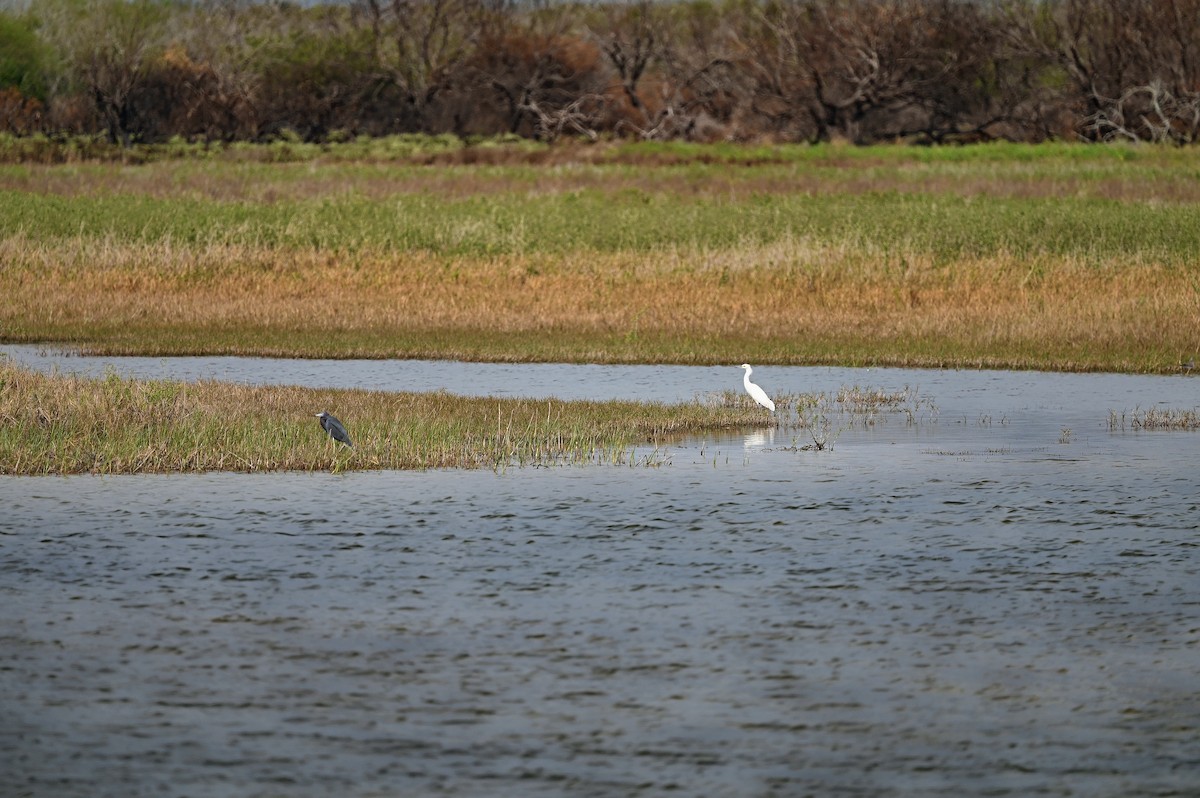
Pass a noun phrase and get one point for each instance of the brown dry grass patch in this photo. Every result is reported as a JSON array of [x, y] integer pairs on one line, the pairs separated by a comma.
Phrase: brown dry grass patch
[[791, 301]]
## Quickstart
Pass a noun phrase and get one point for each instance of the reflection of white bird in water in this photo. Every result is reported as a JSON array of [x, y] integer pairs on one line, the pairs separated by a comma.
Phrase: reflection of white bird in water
[[759, 438], [756, 393]]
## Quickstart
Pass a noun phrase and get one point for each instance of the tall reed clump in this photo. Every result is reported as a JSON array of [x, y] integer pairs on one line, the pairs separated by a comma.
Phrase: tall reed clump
[[63, 424]]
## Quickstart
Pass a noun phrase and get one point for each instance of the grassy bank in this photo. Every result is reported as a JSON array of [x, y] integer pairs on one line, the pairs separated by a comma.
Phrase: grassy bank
[[55, 424], [1057, 257]]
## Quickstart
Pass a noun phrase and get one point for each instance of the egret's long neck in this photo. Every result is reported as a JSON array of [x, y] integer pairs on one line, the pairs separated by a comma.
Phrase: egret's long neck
[[746, 378]]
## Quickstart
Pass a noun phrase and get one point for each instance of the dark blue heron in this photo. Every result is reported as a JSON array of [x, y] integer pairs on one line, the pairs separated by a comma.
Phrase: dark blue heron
[[335, 429]]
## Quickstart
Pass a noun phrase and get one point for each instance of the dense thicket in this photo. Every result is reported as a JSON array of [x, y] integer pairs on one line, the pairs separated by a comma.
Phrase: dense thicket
[[792, 70]]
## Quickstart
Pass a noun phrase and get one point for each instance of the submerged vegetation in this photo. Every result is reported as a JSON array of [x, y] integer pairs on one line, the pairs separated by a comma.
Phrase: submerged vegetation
[[1155, 418], [1050, 257]]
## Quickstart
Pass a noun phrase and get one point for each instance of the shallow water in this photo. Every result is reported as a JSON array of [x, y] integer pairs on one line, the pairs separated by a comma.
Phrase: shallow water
[[972, 603], [971, 392]]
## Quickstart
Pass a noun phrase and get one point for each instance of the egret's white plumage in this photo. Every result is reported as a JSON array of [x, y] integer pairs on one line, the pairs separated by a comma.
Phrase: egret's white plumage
[[756, 393]]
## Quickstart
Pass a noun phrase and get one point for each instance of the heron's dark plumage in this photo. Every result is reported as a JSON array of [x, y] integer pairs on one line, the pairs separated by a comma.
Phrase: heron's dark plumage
[[335, 429]]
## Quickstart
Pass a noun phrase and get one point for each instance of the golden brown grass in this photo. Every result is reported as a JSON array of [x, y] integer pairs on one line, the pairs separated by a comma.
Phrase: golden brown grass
[[789, 301], [55, 424], [1054, 257]]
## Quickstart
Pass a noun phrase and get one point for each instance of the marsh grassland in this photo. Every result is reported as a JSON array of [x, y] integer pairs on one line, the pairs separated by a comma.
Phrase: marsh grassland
[[61, 424], [1030, 257], [1055, 256]]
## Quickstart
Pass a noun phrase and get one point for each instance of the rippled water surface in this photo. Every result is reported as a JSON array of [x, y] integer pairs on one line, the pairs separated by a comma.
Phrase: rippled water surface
[[962, 600]]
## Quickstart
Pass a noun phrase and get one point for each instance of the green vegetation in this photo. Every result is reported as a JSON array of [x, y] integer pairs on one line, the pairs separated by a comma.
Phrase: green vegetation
[[54, 424], [1053, 257], [60, 424], [946, 229], [21, 56]]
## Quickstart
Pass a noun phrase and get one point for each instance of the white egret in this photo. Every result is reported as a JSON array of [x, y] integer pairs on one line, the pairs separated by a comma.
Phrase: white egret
[[335, 429], [756, 393]]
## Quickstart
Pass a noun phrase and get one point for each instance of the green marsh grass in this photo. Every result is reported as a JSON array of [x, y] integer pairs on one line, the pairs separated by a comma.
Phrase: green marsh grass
[[1008, 256], [882, 226], [62, 424]]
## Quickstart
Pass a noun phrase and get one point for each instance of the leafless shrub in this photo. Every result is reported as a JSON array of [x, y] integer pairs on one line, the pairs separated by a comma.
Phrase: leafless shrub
[[1128, 67], [860, 70], [19, 114]]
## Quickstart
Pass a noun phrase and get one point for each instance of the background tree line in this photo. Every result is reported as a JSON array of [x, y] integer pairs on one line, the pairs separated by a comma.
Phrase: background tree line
[[787, 70]]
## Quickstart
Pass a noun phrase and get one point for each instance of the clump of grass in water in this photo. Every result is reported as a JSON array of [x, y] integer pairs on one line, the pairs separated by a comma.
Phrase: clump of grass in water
[[740, 400], [823, 416], [1155, 419], [852, 399], [859, 399], [56, 424]]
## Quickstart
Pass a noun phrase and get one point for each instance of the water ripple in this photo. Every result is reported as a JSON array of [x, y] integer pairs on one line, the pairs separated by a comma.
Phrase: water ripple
[[947, 611]]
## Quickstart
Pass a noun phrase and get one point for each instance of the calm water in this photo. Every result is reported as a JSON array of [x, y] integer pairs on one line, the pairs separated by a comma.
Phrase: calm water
[[975, 603]]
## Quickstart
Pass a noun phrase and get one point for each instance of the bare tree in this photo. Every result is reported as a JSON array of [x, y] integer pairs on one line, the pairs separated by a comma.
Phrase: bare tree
[[226, 48], [545, 77], [418, 48], [106, 46], [1130, 66], [875, 65], [701, 62], [862, 70], [631, 36], [671, 65], [1148, 113]]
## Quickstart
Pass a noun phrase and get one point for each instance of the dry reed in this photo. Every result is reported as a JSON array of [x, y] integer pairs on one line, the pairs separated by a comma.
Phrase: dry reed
[[787, 301], [1155, 418]]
